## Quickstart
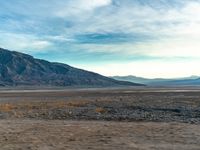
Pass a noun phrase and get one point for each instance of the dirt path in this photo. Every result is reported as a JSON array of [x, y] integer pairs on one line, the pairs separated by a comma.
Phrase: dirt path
[[97, 135]]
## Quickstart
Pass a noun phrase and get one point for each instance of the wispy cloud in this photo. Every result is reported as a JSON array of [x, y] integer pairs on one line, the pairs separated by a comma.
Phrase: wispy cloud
[[23, 42], [82, 29]]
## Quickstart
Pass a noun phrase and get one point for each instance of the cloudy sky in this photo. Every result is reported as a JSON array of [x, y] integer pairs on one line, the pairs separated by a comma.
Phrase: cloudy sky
[[149, 38]]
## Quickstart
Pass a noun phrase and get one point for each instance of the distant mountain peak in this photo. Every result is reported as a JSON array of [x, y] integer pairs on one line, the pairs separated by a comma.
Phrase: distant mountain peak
[[184, 81]]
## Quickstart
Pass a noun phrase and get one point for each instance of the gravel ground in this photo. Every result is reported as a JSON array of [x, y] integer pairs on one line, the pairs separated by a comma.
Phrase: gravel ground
[[100, 119], [111, 105]]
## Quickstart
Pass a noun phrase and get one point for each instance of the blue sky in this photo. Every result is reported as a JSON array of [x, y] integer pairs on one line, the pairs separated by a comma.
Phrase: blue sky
[[149, 38]]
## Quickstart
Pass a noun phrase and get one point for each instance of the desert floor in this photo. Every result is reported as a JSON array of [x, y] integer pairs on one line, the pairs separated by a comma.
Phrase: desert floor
[[133, 118]]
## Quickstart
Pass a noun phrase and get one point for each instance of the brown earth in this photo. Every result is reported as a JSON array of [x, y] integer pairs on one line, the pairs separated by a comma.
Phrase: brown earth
[[95, 135], [135, 119]]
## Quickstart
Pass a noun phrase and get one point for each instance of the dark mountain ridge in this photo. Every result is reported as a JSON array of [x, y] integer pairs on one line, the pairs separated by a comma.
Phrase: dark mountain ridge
[[18, 69]]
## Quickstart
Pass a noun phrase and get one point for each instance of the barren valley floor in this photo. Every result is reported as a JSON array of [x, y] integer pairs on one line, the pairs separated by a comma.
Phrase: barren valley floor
[[134, 118]]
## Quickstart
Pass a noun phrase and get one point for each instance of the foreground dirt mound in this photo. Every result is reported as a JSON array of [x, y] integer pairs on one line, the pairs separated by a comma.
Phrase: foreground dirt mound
[[84, 135]]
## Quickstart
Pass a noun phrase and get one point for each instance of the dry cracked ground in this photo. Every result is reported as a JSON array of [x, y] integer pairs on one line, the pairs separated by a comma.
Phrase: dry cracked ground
[[100, 119]]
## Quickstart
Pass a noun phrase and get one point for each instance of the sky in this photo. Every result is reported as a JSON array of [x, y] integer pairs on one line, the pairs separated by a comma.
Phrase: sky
[[147, 38]]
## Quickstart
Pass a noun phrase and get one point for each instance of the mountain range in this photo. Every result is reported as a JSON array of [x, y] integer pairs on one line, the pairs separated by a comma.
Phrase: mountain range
[[185, 81], [19, 69]]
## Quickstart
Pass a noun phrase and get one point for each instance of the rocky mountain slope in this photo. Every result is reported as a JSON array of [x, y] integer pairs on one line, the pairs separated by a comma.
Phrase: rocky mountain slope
[[18, 69]]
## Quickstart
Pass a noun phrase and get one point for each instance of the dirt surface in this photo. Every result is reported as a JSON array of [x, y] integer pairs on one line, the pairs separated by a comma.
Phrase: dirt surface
[[135, 119], [82, 135]]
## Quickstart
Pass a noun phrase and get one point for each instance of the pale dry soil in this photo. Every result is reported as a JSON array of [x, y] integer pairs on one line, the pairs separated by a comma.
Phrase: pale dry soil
[[97, 135], [100, 119]]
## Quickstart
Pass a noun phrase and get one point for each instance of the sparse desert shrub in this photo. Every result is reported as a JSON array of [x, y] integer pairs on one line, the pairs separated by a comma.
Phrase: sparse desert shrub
[[6, 107], [100, 110], [76, 104], [57, 105]]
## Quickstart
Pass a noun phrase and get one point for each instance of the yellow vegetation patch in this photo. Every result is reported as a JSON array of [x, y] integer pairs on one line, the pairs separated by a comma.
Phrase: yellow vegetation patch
[[100, 110], [76, 104], [6, 107], [30, 106]]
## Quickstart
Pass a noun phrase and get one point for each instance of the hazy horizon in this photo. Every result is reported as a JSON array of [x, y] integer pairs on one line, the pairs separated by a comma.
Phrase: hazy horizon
[[151, 39]]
